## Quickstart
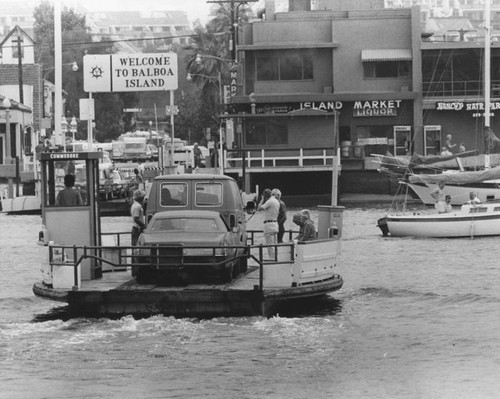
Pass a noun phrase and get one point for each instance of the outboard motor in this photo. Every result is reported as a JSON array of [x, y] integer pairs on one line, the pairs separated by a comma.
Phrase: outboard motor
[[250, 207], [382, 225]]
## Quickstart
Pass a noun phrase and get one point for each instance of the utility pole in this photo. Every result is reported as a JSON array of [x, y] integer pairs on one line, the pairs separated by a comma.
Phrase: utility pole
[[19, 40], [234, 23]]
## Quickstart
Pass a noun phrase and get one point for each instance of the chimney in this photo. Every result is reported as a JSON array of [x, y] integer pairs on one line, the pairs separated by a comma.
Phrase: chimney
[[270, 10], [299, 5]]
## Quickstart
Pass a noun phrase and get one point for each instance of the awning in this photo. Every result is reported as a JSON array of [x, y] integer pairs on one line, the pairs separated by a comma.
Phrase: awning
[[386, 55]]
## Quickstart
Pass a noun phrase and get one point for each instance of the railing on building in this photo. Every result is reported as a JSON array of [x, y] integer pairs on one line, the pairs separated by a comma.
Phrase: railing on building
[[459, 88], [299, 157]]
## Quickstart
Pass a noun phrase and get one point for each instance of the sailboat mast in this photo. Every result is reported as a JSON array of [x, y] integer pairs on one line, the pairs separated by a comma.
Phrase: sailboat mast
[[487, 62]]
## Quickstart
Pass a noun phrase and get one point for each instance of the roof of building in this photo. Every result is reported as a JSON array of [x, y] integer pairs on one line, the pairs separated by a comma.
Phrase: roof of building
[[12, 32], [137, 18]]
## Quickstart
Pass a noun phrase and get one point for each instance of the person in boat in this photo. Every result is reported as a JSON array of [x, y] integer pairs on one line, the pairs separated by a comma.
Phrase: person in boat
[[307, 230], [270, 205], [281, 214], [449, 145], [447, 207], [439, 197], [445, 152], [461, 148], [137, 214], [68, 196], [473, 200]]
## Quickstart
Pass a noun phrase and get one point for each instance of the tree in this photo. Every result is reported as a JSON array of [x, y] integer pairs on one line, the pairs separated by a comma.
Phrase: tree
[[210, 71], [76, 42]]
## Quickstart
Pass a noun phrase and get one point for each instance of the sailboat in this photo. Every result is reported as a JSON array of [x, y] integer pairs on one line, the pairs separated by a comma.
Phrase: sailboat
[[470, 220]]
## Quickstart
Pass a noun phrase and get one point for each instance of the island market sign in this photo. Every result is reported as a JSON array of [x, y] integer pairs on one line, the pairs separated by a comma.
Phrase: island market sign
[[130, 72]]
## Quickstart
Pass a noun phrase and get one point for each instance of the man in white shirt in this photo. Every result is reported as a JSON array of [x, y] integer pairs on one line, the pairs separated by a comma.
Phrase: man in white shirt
[[137, 214], [438, 195], [271, 206]]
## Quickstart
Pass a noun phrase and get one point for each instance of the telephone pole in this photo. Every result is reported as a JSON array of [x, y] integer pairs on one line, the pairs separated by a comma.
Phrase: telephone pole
[[234, 22]]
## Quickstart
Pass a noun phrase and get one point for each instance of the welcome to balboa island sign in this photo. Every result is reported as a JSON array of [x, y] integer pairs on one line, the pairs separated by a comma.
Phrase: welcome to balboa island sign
[[130, 72]]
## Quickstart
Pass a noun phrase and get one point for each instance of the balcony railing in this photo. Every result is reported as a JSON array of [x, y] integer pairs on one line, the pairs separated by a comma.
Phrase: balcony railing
[[269, 158], [470, 88]]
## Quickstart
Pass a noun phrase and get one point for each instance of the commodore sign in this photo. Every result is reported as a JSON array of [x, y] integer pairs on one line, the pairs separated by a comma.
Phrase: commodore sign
[[130, 72]]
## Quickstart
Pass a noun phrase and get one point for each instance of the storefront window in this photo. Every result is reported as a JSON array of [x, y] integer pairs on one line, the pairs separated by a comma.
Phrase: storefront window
[[387, 69], [266, 132], [284, 66]]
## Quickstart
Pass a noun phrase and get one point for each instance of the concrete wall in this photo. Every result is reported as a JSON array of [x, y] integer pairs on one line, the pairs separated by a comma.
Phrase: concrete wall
[[362, 31]]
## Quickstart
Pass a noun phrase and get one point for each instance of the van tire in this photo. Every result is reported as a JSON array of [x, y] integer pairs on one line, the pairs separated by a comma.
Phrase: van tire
[[227, 274]]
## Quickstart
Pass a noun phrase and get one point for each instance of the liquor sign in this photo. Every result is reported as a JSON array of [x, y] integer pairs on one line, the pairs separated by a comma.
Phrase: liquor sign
[[376, 108], [130, 72]]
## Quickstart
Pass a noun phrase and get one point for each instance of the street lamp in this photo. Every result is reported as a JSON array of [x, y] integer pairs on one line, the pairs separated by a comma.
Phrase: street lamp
[[72, 129], [74, 67], [64, 130], [189, 78]]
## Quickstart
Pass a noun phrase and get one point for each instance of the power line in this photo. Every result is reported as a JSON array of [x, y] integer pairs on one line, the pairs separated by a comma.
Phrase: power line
[[120, 40]]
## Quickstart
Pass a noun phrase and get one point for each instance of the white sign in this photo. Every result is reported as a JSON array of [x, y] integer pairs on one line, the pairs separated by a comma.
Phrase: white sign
[[130, 72], [87, 109]]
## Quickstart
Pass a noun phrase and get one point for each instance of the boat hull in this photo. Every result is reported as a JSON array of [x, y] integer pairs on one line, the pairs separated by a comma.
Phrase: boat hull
[[24, 205], [446, 225], [31, 205], [191, 301]]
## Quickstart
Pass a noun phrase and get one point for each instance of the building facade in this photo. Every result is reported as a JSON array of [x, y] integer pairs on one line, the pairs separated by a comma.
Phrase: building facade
[[301, 68], [393, 91]]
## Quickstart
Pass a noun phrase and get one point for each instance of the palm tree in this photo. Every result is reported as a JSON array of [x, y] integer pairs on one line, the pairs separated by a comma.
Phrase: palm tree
[[210, 63]]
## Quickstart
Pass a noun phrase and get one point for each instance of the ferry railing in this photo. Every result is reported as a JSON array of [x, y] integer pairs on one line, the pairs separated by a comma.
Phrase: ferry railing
[[130, 256]]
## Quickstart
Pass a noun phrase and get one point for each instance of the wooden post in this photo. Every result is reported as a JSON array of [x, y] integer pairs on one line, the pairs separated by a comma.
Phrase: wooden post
[[335, 159]]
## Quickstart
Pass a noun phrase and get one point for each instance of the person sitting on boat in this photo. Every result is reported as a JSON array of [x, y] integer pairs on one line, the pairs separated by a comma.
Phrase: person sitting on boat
[[445, 152], [307, 231], [449, 145], [439, 197], [447, 206], [68, 196], [473, 200]]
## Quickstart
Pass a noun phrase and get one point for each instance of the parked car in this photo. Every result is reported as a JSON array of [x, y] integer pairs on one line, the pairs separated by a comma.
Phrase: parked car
[[188, 246]]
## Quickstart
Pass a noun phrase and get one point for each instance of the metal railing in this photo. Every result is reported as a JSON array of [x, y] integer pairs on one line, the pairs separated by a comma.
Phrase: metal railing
[[289, 157], [469, 88], [127, 256]]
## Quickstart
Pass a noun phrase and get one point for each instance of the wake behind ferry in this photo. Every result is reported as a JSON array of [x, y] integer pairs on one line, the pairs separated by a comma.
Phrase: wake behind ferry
[[195, 258]]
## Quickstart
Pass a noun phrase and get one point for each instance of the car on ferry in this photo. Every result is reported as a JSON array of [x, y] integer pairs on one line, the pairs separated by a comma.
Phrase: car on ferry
[[178, 247]]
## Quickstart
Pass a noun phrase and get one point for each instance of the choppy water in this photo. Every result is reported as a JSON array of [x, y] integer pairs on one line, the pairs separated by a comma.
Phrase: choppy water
[[416, 318]]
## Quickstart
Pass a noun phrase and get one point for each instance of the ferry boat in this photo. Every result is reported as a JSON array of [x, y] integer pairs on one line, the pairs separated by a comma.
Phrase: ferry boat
[[93, 272]]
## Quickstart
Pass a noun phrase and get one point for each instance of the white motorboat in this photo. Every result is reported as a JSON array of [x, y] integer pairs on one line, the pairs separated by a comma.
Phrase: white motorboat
[[469, 221]]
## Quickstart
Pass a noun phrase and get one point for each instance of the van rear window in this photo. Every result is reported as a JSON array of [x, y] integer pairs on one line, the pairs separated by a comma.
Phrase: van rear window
[[173, 194], [208, 194]]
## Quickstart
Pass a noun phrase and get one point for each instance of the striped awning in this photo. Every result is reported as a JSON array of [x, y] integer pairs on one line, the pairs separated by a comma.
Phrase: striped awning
[[392, 54]]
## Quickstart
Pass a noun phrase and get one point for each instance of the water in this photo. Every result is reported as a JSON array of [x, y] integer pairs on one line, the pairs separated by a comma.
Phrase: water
[[416, 318]]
